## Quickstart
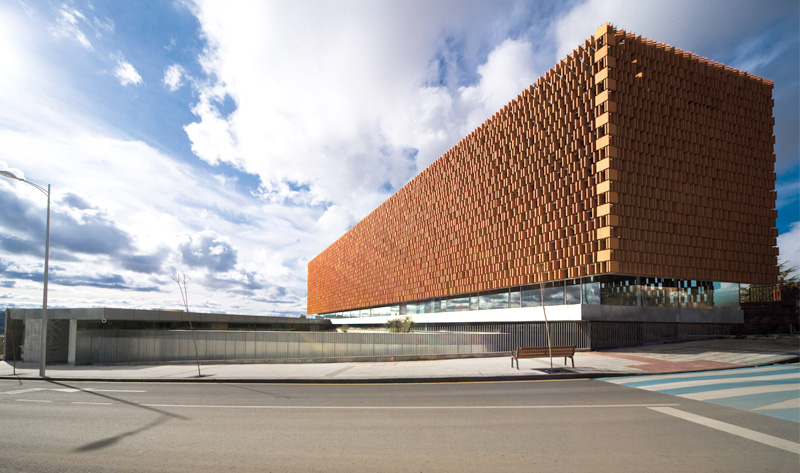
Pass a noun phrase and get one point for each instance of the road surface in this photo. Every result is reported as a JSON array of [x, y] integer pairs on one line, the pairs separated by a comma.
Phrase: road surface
[[579, 425]]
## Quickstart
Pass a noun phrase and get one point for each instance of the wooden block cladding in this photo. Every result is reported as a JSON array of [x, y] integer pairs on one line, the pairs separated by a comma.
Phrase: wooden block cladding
[[628, 157], [694, 147]]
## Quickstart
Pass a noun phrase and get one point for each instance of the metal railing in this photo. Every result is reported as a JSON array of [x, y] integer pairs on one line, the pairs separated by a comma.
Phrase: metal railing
[[143, 346], [126, 346]]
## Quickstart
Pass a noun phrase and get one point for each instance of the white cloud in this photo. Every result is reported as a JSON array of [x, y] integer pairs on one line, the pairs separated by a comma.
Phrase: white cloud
[[68, 25], [332, 105], [17, 172], [358, 104], [789, 246], [126, 73], [788, 193], [705, 28], [335, 221], [155, 201], [507, 72], [173, 77], [213, 138]]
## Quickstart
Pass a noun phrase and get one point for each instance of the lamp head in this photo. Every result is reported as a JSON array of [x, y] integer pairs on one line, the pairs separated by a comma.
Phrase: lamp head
[[9, 175]]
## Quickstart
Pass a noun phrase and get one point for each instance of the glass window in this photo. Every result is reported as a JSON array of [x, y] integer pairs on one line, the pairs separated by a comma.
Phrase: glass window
[[572, 293], [515, 298], [457, 304], [554, 295], [381, 311], [433, 306], [427, 307], [531, 296], [497, 300], [473, 302], [660, 292], [591, 292], [726, 295], [619, 290]]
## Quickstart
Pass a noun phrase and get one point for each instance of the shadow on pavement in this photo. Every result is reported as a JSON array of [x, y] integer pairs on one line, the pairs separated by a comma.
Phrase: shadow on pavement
[[164, 416]]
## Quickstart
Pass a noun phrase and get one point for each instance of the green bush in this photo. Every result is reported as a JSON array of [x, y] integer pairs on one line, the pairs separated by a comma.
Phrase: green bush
[[400, 324]]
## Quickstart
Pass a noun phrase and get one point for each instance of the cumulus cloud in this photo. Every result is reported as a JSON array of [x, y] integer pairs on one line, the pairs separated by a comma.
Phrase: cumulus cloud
[[353, 110], [213, 137], [209, 250], [126, 73], [78, 227], [335, 220], [711, 27], [174, 76], [152, 263], [789, 246]]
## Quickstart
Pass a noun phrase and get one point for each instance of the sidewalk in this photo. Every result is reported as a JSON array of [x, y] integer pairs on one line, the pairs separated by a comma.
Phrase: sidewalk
[[700, 355]]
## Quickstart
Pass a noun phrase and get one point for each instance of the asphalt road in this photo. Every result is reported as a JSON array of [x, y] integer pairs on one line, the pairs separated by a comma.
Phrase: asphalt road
[[548, 426]]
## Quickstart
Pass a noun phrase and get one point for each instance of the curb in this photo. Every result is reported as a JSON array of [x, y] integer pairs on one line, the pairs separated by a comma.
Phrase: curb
[[413, 380]]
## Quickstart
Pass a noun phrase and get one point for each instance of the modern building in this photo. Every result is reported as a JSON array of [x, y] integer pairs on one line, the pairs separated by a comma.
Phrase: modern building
[[110, 335], [633, 182]]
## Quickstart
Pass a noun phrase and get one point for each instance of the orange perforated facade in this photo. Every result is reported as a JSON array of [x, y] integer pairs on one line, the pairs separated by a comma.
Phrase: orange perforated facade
[[628, 157]]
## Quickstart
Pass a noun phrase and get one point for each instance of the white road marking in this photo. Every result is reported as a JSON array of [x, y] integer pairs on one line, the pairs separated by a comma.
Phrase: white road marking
[[636, 379], [92, 403], [32, 400], [733, 392], [578, 406], [788, 404], [766, 439], [25, 391], [73, 390], [708, 382]]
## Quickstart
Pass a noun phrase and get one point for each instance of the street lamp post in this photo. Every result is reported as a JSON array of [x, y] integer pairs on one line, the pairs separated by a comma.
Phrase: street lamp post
[[43, 333]]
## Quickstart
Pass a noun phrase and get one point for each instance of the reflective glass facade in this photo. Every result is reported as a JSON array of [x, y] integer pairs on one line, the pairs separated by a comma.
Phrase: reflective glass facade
[[606, 290]]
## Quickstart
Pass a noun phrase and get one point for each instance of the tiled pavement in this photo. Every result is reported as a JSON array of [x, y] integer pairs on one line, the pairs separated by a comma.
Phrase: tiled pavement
[[664, 358]]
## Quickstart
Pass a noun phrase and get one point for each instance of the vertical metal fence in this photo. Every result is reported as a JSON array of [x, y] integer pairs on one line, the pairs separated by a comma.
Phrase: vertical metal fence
[[125, 346], [628, 334], [529, 334], [129, 346]]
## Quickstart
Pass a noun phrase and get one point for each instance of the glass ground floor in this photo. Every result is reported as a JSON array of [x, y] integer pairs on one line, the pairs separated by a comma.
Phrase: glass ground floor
[[596, 290]]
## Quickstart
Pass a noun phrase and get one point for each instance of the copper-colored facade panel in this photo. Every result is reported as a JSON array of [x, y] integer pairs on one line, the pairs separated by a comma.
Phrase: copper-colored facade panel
[[628, 157]]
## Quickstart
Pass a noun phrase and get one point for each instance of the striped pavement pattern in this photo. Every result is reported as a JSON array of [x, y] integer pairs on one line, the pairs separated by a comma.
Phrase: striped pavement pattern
[[769, 390]]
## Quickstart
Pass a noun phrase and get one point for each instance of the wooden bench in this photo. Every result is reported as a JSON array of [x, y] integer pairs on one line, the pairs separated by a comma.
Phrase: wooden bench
[[567, 351]]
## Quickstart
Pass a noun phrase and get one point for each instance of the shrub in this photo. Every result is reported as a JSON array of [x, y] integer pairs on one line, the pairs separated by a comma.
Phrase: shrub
[[400, 324]]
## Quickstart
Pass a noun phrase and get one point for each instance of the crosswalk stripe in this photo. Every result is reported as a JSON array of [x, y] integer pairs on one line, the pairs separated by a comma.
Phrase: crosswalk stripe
[[789, 404], [746, 391], [770, 390], [708, 382], [639, 381]]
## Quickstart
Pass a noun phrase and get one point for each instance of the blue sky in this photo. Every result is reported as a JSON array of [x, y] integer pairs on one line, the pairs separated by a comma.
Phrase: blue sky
[[234, 141]]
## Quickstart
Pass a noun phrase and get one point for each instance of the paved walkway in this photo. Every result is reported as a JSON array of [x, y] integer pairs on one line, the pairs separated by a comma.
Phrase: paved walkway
[[653, 359]]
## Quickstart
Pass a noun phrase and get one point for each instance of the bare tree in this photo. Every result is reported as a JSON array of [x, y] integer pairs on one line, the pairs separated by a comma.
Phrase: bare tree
[[544, 313], [180, 279]]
